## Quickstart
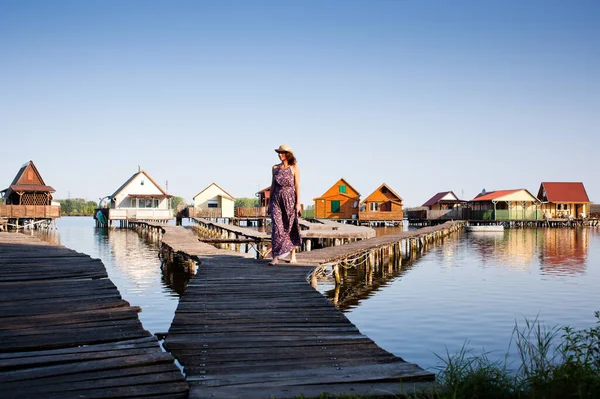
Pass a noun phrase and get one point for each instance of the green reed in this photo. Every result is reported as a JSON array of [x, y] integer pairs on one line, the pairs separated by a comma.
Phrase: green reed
[[555, 363]]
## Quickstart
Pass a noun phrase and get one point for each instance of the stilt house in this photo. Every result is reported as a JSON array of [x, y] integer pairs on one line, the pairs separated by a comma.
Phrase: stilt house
[[140, 198], [340, 202], [564, 200], [214, 202], [382, 205], [28, 196], [517, 204]]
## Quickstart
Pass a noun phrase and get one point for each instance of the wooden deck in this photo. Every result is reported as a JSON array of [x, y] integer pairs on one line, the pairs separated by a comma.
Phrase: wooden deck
[[338, 253], [65, 331], [247, 330], [324, 229]]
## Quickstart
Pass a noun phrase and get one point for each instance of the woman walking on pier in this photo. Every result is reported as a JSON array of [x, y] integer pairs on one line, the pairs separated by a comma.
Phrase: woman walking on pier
[[285, 206]]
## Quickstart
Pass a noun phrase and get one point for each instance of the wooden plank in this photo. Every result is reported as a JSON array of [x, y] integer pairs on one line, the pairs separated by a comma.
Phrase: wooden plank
[[242, 323], [66, 332]]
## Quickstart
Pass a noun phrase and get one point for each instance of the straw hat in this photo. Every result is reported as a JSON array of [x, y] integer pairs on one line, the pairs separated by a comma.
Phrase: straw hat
[[284, 148]]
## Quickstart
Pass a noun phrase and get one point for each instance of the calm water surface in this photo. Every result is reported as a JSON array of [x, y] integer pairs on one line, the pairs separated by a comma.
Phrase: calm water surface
[[474, 288], [470, 289]]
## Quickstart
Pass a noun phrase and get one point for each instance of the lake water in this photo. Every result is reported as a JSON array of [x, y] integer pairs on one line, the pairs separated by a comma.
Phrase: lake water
[[472, 289]]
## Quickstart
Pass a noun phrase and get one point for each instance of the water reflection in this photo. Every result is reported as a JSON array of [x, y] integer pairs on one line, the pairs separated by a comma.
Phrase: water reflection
[[564, 251], [472, 289], [360, 283]]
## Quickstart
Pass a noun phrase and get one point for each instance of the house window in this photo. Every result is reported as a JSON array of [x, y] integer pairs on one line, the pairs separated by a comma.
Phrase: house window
[[133, 202], [374, 206], [149, 203], [335, 206], [154, 203], [141, 203], [565, 207], [343, 189], [559, 207], [213, 203]]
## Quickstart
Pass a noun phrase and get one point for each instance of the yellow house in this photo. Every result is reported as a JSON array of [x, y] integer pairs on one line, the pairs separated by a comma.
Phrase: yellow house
[[214, 202]]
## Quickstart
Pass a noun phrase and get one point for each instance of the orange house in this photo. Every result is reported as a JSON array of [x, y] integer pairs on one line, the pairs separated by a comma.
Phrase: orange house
[[339, 202], [382, 205]]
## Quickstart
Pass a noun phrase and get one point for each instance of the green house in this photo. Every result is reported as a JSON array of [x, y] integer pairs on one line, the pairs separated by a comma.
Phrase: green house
[[517, 204]]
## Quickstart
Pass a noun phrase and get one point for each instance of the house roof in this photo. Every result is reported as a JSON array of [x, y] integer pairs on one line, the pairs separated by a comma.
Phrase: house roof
[[227, 195], [438, 197], [389, 189], [264, 189], [564, 192], [31, 187], [337, 195], [495, 195], [346, 183], [132, 178], [18, 185]]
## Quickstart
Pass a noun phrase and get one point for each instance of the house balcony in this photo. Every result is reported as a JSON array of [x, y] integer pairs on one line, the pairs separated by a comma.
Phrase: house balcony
[[140, 214], [30, 211], [251, 212], [380, 216]]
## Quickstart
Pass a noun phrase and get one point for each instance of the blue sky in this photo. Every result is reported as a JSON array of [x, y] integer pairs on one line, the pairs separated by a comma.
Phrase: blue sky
[[425, 96]]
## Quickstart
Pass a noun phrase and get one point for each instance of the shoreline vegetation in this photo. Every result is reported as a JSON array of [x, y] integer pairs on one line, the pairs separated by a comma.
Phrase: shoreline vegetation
[[555, 363]]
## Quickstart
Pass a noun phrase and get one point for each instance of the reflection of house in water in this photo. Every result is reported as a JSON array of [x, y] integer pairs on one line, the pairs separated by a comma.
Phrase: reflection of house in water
[[564, 251], [513, 249], [131, 256]]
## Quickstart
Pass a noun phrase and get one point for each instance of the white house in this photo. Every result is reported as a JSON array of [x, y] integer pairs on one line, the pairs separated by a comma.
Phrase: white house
[[215, 202], [140, 198]]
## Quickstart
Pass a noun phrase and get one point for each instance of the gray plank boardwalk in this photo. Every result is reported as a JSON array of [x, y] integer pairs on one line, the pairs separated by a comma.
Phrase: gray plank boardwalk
[[325, 229], [337, 253], [247, 330], [65, 331]]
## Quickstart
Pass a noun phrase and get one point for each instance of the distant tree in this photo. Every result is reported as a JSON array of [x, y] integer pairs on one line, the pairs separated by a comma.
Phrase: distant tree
[[177, 203], [245, 202], [76, 207], [1, 201]]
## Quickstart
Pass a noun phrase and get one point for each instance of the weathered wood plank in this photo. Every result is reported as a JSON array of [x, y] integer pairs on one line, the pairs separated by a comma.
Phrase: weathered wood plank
[[66, 332]]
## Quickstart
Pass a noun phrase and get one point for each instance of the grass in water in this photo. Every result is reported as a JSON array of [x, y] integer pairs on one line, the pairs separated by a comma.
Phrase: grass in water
[[555, 363]]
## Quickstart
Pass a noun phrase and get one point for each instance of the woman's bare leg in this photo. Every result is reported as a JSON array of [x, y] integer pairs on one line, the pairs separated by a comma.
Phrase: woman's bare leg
[[293, 256]]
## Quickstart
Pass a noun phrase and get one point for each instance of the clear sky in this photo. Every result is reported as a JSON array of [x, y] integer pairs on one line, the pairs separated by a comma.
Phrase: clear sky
[[425, 96]]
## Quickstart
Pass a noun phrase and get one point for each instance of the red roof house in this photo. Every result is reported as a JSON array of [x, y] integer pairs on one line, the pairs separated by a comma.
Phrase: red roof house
[[564, 200]]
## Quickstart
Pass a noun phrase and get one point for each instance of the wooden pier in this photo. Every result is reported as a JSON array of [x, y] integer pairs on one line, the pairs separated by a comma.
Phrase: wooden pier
[[65, 331], [391, 248], [313, 234], [244, 329]]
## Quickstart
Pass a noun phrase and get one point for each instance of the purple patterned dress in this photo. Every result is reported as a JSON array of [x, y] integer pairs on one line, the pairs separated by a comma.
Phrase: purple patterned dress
[[285, 231]]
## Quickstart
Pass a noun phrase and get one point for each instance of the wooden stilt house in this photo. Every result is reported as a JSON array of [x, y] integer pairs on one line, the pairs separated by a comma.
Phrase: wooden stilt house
[[445, 205], [383, 205], [564, 200], [340, 202], [28, 197], [517, 204]]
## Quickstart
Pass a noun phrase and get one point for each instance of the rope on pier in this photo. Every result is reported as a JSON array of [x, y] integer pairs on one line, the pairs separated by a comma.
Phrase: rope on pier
[[326, 270]]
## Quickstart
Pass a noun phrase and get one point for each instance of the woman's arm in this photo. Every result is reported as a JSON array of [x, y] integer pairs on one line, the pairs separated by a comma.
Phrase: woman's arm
[[296, 171]]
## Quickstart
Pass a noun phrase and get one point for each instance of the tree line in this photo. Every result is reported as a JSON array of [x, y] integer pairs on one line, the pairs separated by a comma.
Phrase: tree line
[[77, 207]]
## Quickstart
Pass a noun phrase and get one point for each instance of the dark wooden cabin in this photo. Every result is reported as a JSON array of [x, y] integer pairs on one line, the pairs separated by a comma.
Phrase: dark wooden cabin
[[28, 196]]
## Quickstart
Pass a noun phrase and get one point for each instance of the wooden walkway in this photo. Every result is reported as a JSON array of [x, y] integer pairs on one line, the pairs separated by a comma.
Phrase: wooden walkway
[[338, 253], [247, 330], [325, 229], [65, 331]]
